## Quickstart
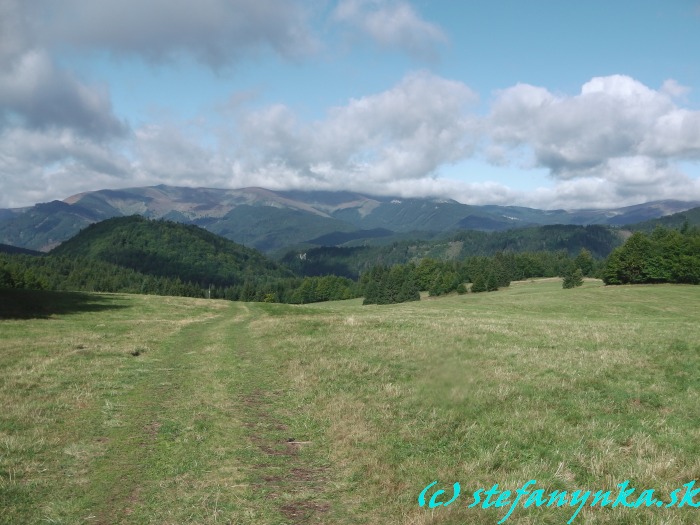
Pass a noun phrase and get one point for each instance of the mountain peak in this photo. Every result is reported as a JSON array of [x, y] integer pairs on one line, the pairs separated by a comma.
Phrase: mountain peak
[[271, 220]]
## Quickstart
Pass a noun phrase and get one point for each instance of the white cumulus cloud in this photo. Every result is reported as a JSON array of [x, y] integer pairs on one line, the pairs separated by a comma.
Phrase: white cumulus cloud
[[392, 24], [404, 133], [616, 142], [615, 117]]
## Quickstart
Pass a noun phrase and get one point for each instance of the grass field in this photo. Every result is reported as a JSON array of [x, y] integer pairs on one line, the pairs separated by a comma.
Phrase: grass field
[[121, 409]]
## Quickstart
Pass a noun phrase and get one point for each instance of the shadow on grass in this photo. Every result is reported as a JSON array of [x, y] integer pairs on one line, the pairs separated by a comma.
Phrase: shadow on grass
[[40, 304]]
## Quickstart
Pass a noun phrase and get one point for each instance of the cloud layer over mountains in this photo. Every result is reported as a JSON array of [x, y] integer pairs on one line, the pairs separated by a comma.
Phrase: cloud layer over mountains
[[615, 142]]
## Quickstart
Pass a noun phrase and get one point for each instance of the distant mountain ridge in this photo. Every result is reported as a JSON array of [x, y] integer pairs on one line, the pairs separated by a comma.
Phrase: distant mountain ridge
[[275, 220]]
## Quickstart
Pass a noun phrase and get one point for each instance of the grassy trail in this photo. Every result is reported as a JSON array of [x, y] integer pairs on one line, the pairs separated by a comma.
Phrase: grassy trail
[[174, 452], [159, 416]]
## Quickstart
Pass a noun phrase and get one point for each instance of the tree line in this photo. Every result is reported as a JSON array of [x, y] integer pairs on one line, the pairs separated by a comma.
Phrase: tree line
[[380, 285], [238, 274], [86, 274], [662, 256], [401, 282]]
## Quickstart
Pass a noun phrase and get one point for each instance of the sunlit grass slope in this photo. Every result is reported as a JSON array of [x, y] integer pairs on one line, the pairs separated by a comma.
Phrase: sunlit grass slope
[[340, 414]]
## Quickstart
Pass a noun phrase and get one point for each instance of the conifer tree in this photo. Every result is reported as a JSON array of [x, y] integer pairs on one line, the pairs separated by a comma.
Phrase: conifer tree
[[492, 282], [479, 284], [573, 278]]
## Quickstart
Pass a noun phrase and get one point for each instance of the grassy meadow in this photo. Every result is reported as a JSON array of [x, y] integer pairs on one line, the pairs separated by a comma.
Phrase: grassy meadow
[[120, 409]]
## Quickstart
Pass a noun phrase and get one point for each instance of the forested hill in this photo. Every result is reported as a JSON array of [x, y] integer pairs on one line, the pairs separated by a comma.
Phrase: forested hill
[[6, 248], [138, 255], [675, 221], [351, 261], [168, 249]]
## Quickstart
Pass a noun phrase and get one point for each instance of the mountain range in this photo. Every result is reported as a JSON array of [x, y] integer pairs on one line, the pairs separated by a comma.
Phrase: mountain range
[[273, 221]]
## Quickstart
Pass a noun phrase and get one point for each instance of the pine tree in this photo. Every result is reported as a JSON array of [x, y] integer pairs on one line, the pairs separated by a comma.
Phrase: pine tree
[[573, 278], [479, 284], [492, 282], [6, 279], [584, 260], [409, 290]]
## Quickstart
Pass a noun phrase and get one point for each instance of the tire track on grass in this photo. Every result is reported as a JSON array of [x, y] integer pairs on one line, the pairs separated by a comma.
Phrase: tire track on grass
[[206, 435], [173, 459], [288, 482]]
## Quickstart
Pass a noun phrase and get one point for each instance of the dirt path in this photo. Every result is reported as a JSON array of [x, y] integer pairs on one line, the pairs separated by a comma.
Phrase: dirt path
[[203, 436], [287, 474]]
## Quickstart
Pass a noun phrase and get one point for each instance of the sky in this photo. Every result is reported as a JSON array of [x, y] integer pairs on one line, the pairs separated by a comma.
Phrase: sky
[[547, 104]]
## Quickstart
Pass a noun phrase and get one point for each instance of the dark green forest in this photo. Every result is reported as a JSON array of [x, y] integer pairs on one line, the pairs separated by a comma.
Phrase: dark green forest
[[138, 255], [47, 272], [662, 256], [352, 261], [674, 221]]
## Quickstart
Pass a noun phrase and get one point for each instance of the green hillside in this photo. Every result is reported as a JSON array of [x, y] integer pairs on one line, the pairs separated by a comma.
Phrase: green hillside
[[6, 248], [138, 255], [356, 257], [267, 228], [403, 215], [599, 240], [164, 248], [675, 221], [28, 272]]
